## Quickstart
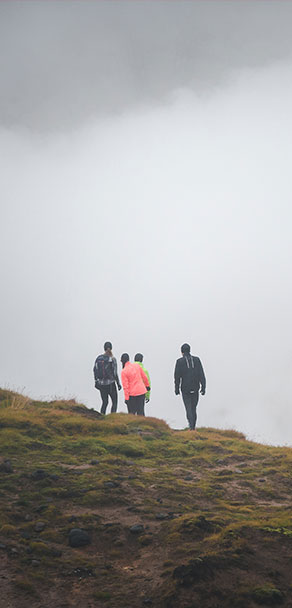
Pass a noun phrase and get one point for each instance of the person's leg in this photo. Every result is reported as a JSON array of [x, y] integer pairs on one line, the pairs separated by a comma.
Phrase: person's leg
[[187, 399], [114, 397], [104, 395], [131, 405], [135, 402], [194, 403], [140, 405]]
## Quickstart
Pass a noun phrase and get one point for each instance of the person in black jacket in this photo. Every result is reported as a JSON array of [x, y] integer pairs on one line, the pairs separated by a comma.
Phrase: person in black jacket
[[189, 377], [106, 378]]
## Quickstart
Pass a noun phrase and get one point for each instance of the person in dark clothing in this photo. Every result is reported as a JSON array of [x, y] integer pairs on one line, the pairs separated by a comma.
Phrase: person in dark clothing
[[106, 378], [189, 377]]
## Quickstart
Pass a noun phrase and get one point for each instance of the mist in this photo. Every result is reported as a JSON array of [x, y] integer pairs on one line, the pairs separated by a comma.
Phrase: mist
[[164, 220]]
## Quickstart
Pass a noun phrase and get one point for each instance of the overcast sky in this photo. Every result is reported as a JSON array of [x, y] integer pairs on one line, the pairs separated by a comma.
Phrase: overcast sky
[[145, 194]]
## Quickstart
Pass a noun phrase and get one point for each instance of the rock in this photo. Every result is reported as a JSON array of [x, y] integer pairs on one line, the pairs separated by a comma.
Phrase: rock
[[6, 466], [94, 461], [39, 474], [78, 538], [238, 471], [40, 526], [35, 563], [161, 516], [111, 484], [14, 551], [262, 480], [147, 601], [188, 478], [2, 546], [137, 529]]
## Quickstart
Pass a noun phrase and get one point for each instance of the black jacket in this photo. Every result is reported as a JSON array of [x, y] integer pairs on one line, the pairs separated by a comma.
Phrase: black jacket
[[189, 374]]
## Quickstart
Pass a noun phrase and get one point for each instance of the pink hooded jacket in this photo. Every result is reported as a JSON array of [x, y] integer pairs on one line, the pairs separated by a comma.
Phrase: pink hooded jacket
[[134, 380]]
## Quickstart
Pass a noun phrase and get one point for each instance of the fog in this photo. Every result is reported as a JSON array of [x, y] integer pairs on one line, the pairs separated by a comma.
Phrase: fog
[[160, 218]]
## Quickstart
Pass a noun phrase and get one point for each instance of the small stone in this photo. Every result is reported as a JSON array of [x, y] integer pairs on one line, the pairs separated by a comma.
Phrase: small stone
[[111, 484], [40, 526], [94, 461], [39, 474], [161, 516], [188, 478], [14, 551], [262, 480], [35, 563], [78, 538], [238, 471], [147, 601], [137, 529]]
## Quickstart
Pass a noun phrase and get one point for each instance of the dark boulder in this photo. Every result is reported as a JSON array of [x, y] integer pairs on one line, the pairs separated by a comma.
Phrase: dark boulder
[[78, 538], [137, 529]]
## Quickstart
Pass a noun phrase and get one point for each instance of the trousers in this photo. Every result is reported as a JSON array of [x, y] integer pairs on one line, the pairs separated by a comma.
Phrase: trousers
[[136, 405], [109, 390], [191, 401]]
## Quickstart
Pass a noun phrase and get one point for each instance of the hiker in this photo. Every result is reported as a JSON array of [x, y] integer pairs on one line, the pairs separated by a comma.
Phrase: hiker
[[139, 359], [189, 377], [135, 384], [106, 378]]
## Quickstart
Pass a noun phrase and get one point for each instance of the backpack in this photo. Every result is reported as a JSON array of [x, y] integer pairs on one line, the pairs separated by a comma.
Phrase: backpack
[[103, 369]]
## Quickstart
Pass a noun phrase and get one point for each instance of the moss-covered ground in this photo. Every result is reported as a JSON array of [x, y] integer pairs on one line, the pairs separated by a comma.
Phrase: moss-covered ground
[[215, 509]]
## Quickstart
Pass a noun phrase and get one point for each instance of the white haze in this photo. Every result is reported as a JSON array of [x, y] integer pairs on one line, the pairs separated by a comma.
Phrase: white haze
[[160, 226]]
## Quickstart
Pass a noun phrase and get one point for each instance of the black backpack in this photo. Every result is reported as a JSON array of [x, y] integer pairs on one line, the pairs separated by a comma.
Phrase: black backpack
[[103, 369]]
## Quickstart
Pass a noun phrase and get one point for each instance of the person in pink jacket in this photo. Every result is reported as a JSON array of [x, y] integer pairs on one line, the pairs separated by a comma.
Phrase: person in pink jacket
[[135, 384]]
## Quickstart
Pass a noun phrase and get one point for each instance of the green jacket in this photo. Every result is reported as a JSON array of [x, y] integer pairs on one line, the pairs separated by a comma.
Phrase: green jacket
[[147, 396]]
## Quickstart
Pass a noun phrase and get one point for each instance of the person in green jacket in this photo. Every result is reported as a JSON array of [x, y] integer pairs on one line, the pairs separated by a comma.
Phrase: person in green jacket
[[139, 360]]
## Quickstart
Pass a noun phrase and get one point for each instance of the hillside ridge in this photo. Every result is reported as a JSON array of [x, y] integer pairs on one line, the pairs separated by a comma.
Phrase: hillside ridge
[[122, 511]]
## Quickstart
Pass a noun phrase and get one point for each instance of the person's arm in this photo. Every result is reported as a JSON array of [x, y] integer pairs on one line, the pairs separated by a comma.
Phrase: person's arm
[[202, 378], [177, 378], [95, 374], [147, 396], [125, 383], [144, 377], [116, 376]]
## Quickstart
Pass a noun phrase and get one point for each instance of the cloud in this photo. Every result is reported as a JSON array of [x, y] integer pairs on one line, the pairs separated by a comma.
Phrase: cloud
[[64, 63], [163, 225]]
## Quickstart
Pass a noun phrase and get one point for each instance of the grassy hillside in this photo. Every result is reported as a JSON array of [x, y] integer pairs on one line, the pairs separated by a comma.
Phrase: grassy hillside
[[211, 512]]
